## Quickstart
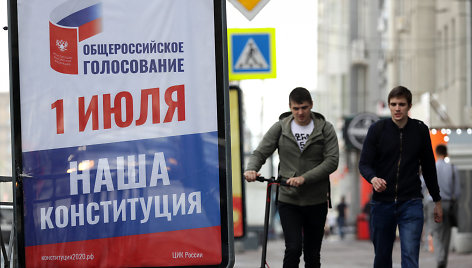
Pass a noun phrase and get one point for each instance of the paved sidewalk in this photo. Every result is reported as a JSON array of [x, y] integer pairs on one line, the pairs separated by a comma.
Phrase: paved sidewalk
[[343, 254]]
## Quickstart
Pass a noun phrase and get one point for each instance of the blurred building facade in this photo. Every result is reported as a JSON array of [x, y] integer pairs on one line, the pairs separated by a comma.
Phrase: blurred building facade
[[430, 53], [350, 56], [332, 89], [366, 47]]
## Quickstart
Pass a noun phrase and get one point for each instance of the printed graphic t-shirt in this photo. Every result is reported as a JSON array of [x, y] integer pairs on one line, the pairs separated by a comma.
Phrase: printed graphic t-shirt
[[301, 133]]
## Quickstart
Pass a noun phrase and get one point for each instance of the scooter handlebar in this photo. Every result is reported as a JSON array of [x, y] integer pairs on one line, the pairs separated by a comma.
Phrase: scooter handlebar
[[280, 180]]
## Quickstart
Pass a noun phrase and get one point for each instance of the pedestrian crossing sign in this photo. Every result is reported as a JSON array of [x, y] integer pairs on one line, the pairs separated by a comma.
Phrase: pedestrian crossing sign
[[251, 53]]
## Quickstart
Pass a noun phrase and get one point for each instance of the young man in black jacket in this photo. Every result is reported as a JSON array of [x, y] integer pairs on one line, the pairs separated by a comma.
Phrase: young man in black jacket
[[394, 152]]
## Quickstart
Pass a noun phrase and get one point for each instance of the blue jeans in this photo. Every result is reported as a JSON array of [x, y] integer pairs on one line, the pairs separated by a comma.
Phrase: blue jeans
[[385, 217]]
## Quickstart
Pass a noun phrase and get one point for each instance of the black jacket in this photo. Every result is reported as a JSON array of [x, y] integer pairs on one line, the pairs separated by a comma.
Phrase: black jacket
[[396, 155]]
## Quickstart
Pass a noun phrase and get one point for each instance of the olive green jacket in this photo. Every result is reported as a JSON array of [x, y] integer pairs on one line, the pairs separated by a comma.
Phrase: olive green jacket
[[315, 163]]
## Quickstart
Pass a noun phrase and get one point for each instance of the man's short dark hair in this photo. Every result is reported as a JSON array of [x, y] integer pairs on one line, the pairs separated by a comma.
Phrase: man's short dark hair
[[441, 149], [300, 95], [400, 92]]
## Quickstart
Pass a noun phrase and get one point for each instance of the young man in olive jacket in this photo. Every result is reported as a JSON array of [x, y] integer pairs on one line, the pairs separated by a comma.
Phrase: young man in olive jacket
[[393, 152], [308, 151]]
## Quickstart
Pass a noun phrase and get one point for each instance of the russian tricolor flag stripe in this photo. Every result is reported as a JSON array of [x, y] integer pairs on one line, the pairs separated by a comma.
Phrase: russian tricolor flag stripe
[[70, 23], [88, 20], [177, 248], [82, 16], [90, 29]]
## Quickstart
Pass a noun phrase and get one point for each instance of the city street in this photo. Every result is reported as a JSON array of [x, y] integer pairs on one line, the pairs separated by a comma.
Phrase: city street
[[341, 254]]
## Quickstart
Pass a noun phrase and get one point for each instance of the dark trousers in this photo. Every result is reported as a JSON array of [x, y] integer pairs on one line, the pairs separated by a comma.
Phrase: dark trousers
[[303, 228]]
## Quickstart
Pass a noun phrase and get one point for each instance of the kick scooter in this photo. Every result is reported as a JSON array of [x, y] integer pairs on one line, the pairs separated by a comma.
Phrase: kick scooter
[[270, 181]]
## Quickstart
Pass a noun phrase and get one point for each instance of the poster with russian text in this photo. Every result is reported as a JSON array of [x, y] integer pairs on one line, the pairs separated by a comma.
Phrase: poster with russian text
[[119, 133]]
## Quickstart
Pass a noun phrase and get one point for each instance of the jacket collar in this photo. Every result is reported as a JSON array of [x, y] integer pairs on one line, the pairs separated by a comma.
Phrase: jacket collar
[[408, 122], [318, 122]]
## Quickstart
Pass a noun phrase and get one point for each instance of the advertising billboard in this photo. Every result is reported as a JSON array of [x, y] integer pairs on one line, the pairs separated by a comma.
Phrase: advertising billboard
[[120, 152]]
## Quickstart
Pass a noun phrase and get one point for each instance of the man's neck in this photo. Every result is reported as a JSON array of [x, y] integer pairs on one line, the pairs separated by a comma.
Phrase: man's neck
[[401, 123], [302, 125]]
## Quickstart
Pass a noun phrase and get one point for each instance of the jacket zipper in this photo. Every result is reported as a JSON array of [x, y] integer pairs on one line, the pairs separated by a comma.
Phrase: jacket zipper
[[398, 166]]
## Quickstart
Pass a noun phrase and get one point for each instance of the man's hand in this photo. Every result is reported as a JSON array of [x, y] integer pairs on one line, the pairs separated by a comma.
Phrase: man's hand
[[296, 181], [379, 184], [438, 212], [251, 175]]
